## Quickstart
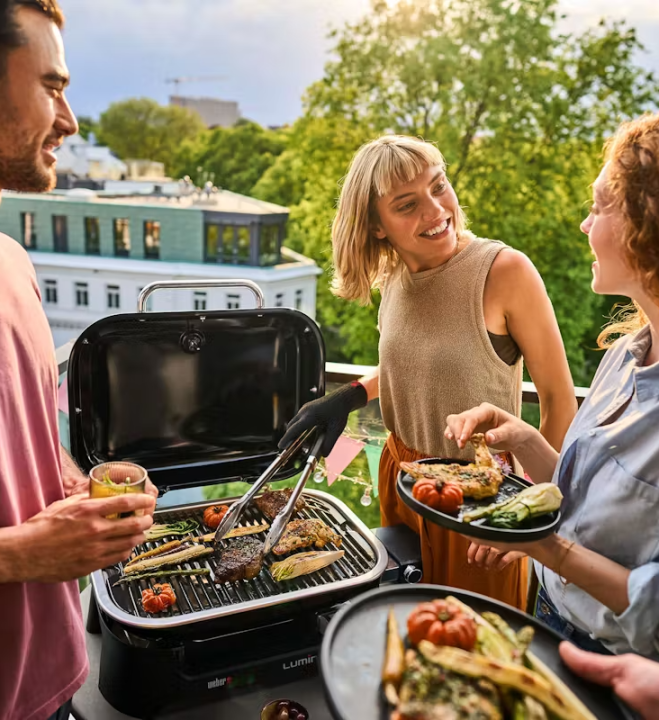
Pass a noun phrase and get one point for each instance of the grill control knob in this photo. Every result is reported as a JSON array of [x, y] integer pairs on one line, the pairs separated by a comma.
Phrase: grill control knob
[[412, 574]]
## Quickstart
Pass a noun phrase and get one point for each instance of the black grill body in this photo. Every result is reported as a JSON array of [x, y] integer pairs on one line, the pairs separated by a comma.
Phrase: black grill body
[[197, 413]]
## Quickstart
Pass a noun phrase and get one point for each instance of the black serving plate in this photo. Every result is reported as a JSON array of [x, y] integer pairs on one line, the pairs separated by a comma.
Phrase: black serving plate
[[512, 484], [354, 644]]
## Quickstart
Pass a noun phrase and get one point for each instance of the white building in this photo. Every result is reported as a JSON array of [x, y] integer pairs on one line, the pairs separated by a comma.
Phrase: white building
[[94, 252]]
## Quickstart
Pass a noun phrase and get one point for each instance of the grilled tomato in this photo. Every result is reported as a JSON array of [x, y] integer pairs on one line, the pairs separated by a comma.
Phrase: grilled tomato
[[445, 497], [441, 623], [213, 515], [158, 598]]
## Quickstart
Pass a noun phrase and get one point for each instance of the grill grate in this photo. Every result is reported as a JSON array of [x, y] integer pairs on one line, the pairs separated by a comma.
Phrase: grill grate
[[200, 593]]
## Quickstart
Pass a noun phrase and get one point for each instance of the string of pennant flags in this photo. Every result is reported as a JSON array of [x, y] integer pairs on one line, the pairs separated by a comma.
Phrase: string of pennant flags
[[346, 449]]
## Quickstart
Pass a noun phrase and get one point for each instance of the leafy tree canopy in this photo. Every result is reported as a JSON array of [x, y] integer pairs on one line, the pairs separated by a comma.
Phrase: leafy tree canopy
[[520, 111], [232, 158], [140, 128]]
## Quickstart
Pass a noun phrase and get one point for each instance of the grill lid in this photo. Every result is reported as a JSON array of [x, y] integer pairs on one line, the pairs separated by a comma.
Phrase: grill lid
[[194, 397]]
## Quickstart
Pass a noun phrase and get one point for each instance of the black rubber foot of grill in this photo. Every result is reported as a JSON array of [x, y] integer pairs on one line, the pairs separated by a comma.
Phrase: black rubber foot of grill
[[93, 622]]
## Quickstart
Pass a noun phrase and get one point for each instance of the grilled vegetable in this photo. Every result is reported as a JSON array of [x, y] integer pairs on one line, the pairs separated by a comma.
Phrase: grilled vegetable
[[158, 598], [303, 564], [445, 497], [175, 558], [441, 623], [489, 641], [161, 573], [531, 502], [394, 660], [237, 532], [182, 527], [569, 698], [159, 550], [523, 706], [213, 515], [506, 674]]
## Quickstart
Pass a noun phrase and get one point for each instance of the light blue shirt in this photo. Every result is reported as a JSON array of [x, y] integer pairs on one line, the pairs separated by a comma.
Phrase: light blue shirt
[[609, 475]]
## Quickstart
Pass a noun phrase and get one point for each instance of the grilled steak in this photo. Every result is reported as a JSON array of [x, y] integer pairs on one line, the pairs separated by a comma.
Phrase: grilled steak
[[430, 693], [304, 533], [478, 480], [240, 560], [272, 502]]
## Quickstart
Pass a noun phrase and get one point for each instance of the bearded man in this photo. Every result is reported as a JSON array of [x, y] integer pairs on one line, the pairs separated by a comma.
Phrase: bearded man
[[51, 532]]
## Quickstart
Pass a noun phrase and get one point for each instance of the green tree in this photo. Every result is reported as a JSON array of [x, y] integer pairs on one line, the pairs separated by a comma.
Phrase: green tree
[[86, 126], [519, 110], [140, 128], [233, 158]]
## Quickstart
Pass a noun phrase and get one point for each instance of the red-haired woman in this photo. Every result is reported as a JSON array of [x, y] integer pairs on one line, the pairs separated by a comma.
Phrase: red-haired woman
[[600, 574]]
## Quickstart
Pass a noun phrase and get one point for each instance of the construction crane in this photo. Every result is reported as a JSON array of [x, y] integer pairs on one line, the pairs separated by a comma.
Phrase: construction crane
[[203, 78]]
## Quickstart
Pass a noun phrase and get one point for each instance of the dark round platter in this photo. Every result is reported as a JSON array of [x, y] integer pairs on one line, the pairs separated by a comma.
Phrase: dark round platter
[[535, 529], [354, 644]]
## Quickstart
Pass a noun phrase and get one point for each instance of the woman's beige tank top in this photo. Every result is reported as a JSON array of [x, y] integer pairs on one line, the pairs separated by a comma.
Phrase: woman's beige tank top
[[436, 357]]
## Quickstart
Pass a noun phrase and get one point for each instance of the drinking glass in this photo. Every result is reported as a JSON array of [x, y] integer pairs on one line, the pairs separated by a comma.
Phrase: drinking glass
[[117, 478]]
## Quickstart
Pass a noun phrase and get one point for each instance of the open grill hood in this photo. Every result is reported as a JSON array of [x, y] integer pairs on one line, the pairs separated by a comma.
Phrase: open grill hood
[[194, 397]]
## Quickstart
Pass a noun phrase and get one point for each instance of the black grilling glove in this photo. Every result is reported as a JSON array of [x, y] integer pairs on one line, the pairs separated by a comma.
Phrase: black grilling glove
[[329, 414]]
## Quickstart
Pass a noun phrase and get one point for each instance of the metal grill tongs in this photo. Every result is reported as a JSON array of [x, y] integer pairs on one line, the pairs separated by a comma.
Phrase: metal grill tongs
[[279, 523], [232, 516]]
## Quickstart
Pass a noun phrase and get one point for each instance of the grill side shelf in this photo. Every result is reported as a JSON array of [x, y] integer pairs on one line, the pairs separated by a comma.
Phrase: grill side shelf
[[199, 597]]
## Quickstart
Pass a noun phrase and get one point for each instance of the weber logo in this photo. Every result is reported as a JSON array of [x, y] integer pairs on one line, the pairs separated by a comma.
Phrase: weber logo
[[301, 662], [217, 683]]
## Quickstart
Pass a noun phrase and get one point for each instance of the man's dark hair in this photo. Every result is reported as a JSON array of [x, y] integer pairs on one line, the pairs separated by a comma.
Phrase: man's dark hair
[[10, 33]]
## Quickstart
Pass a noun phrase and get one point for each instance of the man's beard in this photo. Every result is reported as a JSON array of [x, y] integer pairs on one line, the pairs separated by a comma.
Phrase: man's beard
[[23, 172], [20, 168]]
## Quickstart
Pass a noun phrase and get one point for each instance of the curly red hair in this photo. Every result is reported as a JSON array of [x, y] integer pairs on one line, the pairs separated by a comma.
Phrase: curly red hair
[[632, 155]]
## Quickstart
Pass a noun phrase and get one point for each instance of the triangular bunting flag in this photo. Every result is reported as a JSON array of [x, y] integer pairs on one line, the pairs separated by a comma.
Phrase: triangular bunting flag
[[373, 454], [343, 453]]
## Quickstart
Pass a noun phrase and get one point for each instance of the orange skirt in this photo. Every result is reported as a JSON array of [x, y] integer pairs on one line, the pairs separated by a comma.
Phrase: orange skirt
[[444, 552]]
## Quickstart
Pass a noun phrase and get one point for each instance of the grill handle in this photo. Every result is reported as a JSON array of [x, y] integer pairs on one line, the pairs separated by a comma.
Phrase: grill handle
[[281, 521], [194, 284], [232, 516]]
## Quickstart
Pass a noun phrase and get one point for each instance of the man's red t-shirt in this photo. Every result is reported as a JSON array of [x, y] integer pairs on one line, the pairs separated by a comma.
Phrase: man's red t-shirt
[[43, 660]]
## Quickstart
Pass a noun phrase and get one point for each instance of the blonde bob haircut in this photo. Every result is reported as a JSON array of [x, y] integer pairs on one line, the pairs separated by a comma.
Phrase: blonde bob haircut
[[362, 262]]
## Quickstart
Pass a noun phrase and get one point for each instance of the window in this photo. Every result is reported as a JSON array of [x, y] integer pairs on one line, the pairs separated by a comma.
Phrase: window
[[152, 239], [92, 236], [113, 296], [121, 237], [60, 234], [233, 302], [242, 249], [298, 299], [269, 245], [228, 243], [51, 292], [29, 231], [200, 301], [212, 239], [279, 300], [82, 294]]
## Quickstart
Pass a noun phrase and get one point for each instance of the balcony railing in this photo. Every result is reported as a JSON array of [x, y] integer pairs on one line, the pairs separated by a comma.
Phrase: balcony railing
[[366, 423]]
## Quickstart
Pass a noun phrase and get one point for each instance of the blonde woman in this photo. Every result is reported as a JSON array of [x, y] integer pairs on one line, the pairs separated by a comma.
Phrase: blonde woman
[[458, 313], [600, 574]]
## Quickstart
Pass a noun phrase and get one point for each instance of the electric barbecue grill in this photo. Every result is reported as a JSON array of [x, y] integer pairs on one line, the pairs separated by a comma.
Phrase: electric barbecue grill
[[200, 398]]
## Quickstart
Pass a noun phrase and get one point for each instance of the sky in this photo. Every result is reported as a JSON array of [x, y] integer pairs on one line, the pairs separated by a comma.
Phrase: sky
[[266, 52]]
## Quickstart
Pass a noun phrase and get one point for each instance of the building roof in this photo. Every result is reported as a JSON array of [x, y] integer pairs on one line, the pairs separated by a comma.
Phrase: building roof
[[293, 265], [215, 201]]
